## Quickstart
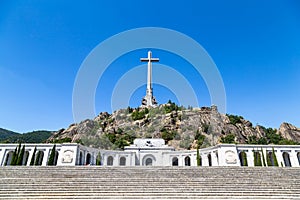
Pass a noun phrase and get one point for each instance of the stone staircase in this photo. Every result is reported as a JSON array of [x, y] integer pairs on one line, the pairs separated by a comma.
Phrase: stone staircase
[[95, 182]]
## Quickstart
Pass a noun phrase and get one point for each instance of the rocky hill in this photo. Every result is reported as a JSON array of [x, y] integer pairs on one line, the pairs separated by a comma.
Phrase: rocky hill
[[180, 127]]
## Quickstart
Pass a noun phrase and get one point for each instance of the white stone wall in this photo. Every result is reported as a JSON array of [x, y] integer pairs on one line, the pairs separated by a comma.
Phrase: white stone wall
[[70, 154]]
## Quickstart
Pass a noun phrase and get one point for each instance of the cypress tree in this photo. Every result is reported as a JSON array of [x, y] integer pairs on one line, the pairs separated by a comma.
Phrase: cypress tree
[[14, 157], [37, 158], [274, 157], [20, 156], [33, 157], [98, 160], [263, 157], [198, 157], [52, 156]]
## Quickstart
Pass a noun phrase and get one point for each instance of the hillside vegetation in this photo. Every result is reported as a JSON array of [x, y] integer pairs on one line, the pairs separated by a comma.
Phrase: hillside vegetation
[[7, 136], [183, 128]]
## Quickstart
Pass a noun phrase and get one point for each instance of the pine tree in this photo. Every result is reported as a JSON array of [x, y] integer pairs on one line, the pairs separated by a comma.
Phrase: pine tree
[[33, 157], [52, 156], [20, 156]]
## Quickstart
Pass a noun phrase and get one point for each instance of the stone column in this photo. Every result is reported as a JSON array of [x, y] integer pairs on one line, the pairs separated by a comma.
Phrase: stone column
[[2, 157], [294, 158], [250, 158], [214, 159], [204, 160], [46, 156], [279, 157], [30, 150]]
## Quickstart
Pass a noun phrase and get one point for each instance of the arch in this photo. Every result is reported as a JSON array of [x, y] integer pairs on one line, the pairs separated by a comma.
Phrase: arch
[[187, 161], [149, 162], [88, 159], [243, 158], [122, 161], [8, 158], [39, 158], [257, 158], [174, 161], [270, 159], [25, 159], [286, 159], [110, 161], [298, 156], [80, 158], [209, 159]]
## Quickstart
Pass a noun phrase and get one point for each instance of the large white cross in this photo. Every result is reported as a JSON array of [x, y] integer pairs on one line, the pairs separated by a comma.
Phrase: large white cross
[[149, 75]]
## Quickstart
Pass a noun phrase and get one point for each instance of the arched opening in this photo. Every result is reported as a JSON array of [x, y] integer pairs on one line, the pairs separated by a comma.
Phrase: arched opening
[[187, 161], [25, 158], [80, 158], [149, 162], [122, 161], [257, 158], [298, 156], [8, 158], [174, 161], [286, 159], [270, 159], [110, 161], [209, 160], [243, 158], [88, 159]]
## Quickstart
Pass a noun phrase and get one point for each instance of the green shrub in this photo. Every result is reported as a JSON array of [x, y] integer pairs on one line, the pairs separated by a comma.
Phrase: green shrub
[[137, 114], [167, 135], [229, 139], [234, 119]]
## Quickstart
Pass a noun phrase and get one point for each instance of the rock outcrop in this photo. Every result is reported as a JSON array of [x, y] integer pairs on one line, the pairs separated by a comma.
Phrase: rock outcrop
[[289, 131]]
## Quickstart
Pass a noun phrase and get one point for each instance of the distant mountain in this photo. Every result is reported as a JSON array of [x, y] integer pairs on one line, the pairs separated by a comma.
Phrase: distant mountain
[[6, 133], [7, 136], [182, 128]]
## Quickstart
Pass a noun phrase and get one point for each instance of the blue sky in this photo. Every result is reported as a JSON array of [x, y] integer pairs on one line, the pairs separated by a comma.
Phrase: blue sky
[[255, 45]]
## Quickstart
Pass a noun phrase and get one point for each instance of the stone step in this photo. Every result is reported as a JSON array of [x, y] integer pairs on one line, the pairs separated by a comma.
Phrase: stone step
[[94, 182]]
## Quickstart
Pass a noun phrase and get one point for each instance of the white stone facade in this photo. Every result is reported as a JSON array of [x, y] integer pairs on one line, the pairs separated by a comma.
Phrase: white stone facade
[[154, 152]]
